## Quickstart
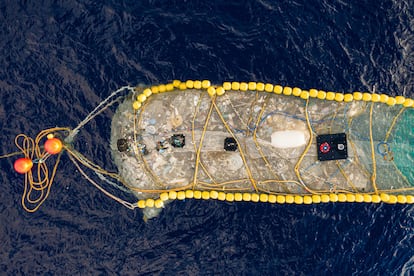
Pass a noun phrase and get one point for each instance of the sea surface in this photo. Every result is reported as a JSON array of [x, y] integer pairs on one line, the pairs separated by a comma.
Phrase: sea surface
[[59, 59]]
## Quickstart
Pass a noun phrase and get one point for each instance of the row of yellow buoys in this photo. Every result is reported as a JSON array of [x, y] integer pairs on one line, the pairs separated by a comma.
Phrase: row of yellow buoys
[[271, 198], [267, 87], [176, 84]]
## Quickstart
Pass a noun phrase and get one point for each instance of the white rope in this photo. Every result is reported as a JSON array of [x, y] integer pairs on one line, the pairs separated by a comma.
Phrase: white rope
[[123, 202], [101, 107]]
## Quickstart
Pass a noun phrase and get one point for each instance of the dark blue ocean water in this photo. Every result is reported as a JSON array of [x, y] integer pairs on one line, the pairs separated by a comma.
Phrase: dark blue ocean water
[[59, 59]]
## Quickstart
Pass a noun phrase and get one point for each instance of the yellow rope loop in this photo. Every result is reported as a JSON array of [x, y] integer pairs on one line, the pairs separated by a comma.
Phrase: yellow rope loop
[[297, 166], [374, 161]]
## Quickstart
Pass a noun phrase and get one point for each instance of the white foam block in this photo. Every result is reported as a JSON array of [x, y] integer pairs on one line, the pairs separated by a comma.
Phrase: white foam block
[[288, 139]]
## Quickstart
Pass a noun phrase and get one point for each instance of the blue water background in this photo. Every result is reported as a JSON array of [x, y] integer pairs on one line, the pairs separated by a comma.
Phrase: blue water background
[[59, 59]]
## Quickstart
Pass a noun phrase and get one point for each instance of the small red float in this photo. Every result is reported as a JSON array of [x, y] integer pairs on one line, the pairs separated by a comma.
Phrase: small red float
[[53, 146], [23, 165]]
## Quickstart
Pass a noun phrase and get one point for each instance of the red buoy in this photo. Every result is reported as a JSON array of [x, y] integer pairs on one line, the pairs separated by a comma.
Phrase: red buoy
[[23, 165], [53, 146]]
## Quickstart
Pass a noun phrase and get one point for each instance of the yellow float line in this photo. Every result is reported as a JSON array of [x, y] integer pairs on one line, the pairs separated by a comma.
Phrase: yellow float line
[[277, 89], [272, 198], [280, 90]]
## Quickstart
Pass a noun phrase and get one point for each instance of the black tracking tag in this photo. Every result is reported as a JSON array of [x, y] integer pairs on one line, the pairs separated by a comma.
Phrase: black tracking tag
[[230, 144], [177, 140], [332, 147]]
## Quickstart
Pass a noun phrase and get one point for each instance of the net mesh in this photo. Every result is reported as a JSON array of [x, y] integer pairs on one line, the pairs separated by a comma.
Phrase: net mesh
[[379, 146]]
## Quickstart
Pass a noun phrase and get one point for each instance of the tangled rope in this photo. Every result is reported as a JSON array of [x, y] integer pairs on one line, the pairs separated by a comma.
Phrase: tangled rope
[[37, 182], [39, 179]]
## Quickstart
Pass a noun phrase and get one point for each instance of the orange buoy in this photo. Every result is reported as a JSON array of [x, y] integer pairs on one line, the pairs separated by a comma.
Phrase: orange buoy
[[53, 145], [23, 165]]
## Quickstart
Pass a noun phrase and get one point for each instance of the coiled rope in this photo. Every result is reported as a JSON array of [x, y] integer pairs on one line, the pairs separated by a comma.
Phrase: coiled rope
[[38, 181]]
